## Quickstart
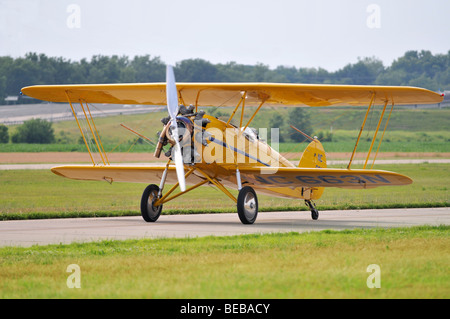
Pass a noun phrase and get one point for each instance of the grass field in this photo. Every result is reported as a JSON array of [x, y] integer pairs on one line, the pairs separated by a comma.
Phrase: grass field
[[413, 263], [410, 130], [412, 143]]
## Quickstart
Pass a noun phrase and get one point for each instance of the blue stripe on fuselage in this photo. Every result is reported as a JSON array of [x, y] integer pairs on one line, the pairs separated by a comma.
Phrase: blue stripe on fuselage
[[222, 143]]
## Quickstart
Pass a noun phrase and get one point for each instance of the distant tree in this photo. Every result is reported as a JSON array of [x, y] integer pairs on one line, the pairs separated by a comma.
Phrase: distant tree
[[261, 73], [277, 121], [35, 131], [2, 88], [299, 118], [21, 73], [148, 69], [233, 72], [195, 70], [423, 81], [287, 74], [418, 68], [4, 135], [364, 72]]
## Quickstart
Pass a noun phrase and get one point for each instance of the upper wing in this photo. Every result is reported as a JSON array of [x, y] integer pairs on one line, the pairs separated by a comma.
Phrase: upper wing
[[122, 173], [229, 94], [267, 177]]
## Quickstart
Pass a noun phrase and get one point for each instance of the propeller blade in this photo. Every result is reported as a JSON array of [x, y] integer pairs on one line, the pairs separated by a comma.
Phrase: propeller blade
[[171, 94], [176, 152], [172, 108]]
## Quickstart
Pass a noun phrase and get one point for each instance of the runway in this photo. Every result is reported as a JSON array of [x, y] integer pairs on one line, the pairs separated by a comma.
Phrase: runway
[[64, 231]]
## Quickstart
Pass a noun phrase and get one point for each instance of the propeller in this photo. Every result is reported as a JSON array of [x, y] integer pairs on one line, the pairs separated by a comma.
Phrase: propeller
[[173, 107]]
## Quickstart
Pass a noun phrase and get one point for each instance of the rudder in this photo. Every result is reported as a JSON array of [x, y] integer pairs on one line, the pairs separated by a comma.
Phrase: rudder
[[313, 157]]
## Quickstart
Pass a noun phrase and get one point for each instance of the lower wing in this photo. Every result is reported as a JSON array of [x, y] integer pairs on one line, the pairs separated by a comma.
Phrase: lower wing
[[261, 177], [287, 182], [121, 173], [268, 177]]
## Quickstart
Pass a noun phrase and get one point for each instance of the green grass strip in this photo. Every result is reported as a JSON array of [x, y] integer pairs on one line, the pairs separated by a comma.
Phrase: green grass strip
[[413, 263]]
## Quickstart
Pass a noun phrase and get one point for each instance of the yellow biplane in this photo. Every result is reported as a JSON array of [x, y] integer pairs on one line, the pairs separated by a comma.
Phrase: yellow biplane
[[206, 150]]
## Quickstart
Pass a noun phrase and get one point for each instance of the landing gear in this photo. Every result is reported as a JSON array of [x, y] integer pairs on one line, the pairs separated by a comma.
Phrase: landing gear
[[314, 211], [152, 199], [149, 212], [247, 205]]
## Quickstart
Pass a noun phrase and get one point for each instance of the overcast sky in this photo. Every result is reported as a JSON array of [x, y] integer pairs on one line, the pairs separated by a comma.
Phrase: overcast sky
[[327, 33]]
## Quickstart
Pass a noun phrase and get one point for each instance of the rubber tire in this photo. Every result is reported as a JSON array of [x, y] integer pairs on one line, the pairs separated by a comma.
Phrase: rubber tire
[[315, 214], [246, 194], [150, 213]]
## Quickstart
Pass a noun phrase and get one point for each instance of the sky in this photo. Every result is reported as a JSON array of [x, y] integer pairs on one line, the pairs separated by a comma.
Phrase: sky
[[310, 34]]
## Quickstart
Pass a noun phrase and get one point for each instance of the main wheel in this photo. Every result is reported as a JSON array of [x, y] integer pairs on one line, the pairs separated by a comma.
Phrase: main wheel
[[247, 205], [149, 212]]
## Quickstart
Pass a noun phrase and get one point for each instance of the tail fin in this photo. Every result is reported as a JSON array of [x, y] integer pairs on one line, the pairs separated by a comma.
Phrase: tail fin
[[313, 157], [314, 154]]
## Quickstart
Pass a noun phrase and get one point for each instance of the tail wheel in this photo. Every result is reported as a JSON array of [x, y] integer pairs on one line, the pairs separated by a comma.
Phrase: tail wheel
[[314, 214], [247, 205], [314, 211], [149, 211]]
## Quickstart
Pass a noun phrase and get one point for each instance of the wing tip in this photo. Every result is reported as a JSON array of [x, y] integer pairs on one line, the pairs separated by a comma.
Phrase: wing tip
[[57, 172]]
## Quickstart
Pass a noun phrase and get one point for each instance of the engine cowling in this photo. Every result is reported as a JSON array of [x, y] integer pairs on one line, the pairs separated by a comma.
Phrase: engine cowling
[[185, 131]]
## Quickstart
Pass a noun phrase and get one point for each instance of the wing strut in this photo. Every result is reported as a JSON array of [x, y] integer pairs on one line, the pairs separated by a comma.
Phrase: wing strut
[[362, 128], [166, 198], [92, 128], [384, 131], [254, 114], [95, 135], [235, 109], [243, 108], [241, 101], [79, 126], [375, 134], [219, 185], [208, 179]]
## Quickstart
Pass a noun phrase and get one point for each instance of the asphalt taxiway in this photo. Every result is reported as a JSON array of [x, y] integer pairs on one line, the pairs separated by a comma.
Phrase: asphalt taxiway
[[64, 231]]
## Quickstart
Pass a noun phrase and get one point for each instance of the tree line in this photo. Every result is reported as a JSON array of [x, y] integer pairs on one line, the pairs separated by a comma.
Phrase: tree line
[[414, 68]]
